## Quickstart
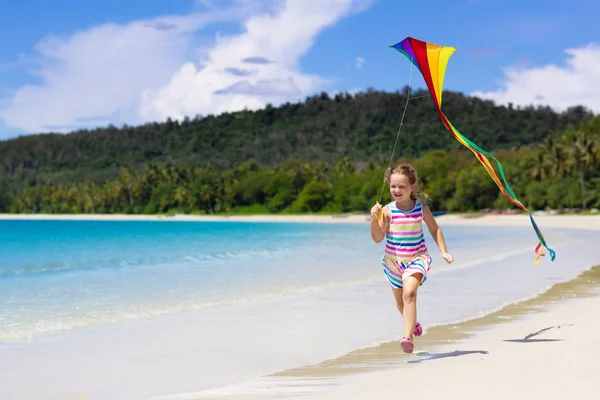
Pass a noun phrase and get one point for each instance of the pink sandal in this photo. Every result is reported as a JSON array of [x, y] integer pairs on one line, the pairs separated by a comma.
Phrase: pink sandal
[[407, 345], [418, 330]]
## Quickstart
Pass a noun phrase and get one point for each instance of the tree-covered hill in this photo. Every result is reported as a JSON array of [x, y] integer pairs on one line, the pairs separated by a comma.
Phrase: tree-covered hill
[[360, 128], [323, 155]]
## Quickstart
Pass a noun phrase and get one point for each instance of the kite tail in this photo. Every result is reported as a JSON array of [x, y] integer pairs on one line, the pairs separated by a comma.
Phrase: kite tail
[[503, 185]]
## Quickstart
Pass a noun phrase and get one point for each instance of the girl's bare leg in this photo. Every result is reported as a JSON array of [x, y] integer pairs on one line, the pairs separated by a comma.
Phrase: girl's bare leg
[[398, 297], [409, 299]]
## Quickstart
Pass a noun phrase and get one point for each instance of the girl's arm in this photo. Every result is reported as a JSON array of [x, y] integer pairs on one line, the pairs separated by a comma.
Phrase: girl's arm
[[378, 228], [436, 233]]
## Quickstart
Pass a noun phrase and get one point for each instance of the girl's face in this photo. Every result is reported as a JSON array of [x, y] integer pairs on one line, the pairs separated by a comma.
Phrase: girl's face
[[400, 187]]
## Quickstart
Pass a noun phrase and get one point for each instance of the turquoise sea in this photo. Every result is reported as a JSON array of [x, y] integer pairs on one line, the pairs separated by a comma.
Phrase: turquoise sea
[[134, 309]]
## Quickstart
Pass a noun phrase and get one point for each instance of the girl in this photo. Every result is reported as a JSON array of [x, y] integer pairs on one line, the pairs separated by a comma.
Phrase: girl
[[406, 260]]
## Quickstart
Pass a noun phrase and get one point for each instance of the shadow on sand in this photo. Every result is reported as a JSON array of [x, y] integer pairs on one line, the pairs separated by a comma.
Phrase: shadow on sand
[[528, 338], [436, 356]]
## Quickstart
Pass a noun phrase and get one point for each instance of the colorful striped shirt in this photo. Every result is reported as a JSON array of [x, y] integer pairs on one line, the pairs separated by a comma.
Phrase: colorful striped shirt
[[404, 235]]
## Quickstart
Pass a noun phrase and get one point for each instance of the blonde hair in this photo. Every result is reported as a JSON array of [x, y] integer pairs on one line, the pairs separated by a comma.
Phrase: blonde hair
[[407, 170]]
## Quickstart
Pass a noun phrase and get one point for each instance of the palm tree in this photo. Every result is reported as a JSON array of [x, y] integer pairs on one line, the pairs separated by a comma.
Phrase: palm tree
[[556, 157], [126, 179], [582, 155], [549, 161], [539, 171]]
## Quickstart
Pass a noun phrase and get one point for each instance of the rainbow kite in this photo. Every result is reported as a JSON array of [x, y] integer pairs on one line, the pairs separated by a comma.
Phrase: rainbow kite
[[431, 60]]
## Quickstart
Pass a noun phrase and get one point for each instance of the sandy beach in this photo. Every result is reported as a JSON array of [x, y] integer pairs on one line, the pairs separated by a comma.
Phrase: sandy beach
[[545, 348]]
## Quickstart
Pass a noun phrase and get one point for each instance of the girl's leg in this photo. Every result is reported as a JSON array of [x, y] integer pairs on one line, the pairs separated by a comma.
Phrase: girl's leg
[[400, 307], [398, 297], [409, 299]]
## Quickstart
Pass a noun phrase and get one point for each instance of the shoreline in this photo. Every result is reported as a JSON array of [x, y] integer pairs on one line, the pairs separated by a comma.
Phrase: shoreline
[[336, 218], [535, 344], [437, 337], [378, 372], [543, 221]]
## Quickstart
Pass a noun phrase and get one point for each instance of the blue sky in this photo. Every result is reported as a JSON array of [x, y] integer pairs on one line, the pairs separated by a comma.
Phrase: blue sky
[[66, 65]]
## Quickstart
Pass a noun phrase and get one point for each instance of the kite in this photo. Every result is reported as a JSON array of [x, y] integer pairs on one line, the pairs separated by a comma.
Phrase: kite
[[431, 60]]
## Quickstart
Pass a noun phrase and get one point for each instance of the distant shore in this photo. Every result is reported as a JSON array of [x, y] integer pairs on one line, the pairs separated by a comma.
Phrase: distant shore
[[351, 218], [543, 220]]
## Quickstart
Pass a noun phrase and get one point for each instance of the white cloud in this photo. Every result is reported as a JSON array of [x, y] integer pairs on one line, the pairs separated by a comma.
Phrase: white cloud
[[141, 72], [270, 45], [358, 62], [100, 72], [560, 87]]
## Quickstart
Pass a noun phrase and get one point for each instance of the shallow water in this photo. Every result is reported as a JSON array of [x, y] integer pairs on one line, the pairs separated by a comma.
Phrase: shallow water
[[145, 308]]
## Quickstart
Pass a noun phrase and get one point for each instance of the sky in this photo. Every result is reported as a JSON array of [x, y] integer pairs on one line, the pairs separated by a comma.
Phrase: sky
[[68, 65]]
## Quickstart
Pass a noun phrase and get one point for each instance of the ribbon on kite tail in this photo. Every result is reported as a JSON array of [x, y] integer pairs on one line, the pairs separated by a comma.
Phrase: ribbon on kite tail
[[431, 60]]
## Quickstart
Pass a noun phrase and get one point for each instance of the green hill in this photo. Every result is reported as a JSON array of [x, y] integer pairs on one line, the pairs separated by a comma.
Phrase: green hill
[[270, 157], [361, 127]]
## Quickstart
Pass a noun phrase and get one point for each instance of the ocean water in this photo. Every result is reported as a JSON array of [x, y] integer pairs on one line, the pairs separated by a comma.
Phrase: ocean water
[[138, 309]]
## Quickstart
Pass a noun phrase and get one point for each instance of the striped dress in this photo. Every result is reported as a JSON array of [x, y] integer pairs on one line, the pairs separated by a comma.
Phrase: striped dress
[[405, 248]]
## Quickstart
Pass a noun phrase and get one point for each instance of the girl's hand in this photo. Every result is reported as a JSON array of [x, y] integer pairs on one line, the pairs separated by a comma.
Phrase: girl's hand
[[375, 211], [447, 257]]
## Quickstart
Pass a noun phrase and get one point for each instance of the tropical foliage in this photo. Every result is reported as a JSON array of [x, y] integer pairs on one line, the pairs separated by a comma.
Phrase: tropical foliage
[[326, 155]]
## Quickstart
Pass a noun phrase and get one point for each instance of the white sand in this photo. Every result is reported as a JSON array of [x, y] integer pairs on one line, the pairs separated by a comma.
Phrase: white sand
[[561, 362], [543, 221], [344, 218]]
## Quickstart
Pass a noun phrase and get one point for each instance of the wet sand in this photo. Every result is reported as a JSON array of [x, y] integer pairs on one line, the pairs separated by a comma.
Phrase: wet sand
[[545, 347], [532, 344]]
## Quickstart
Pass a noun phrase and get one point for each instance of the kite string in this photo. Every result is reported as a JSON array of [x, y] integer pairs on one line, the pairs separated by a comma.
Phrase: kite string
[[399, 129]]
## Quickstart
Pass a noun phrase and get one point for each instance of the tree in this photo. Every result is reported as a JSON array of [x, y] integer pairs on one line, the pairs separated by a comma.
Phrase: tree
[[581, 151], [313, 197]]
